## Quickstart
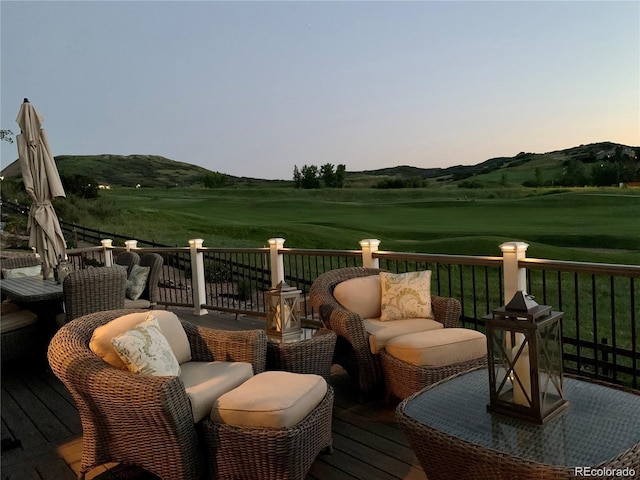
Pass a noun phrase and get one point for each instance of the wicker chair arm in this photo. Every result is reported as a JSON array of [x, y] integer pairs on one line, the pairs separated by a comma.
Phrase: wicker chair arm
[[209, 344], [155, 262], [350, 325], [94, 377], [446, 310]]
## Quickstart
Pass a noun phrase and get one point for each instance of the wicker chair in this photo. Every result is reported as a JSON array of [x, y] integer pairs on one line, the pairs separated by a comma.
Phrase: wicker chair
[[353, 350], [17, 343], [127, 259], [93, 290], [141, 420], [149, 297]]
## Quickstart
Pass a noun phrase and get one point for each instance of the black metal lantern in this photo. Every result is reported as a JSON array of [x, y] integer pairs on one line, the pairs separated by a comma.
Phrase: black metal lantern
[[524, 344], [283, 317]]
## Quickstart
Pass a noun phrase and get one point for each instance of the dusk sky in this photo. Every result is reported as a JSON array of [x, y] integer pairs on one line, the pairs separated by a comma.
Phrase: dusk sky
[[254, 88]]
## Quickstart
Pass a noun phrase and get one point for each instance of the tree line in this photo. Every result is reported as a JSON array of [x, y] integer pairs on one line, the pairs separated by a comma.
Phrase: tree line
[[309, 176]]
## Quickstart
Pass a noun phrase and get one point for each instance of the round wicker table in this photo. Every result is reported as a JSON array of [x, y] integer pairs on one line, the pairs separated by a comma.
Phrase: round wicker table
[[454, 437], [311, 355]]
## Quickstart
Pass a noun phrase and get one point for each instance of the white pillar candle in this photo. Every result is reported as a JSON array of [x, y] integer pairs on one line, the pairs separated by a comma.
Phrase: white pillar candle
[[283, 319], [522, 393]]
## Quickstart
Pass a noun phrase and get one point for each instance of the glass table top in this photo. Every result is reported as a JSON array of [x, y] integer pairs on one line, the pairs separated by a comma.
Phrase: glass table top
[[599, 423]]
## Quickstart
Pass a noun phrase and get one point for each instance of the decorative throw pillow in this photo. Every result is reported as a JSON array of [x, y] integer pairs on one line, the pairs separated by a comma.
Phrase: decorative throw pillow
[[405, 295], [22, 271], [137, 281], [146, 351], [170, 326]]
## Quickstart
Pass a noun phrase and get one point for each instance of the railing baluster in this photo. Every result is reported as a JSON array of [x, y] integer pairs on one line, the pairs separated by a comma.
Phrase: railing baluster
[[612, 292], [594, 319], [634, 338], [577, 320]]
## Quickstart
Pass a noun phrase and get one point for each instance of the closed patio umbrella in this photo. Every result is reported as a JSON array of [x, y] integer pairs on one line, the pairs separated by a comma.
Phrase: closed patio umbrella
[[42, 183]]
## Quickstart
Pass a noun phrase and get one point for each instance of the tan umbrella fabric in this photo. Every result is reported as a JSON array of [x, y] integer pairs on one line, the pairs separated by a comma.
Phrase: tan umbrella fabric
[[42, 182]]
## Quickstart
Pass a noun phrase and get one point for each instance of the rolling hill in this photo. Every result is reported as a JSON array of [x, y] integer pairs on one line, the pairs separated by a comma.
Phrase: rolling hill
[[157, 171], [549, 161]]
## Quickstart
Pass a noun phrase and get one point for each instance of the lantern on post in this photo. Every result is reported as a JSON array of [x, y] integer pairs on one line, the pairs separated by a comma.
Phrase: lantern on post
[[524, 344], [283, 319]]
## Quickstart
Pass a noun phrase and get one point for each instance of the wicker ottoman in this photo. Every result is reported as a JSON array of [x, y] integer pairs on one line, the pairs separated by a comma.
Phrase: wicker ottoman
[[413, 361], [271, 427], [19, 332]]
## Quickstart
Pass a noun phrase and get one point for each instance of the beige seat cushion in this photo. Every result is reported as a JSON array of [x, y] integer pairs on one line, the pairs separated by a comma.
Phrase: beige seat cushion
[[270, 400], [18, 319], [206, 381], [170, 327], [381, 332], [360, 295], [139, 303], [439, 347]]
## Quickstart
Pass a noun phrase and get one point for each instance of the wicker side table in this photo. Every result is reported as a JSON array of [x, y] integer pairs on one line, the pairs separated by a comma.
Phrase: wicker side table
[[312, 355]]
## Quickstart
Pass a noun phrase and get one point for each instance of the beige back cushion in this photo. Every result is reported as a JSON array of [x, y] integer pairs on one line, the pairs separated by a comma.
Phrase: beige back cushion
[[22, 272], [360, 295], [170, 327]]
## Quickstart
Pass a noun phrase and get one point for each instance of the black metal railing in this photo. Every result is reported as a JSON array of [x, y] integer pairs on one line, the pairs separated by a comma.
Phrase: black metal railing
[[600, 322], [600, 302]]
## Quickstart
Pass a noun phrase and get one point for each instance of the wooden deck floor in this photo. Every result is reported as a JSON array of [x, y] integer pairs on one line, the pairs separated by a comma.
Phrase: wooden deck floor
[[39, 415]]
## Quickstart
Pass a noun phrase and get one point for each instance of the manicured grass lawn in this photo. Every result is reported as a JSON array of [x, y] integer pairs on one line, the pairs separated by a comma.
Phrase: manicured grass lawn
[[600, 225]]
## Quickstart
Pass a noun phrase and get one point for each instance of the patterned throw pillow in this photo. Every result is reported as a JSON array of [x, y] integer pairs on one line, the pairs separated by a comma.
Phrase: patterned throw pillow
[[405, 295], [137, 281], [146, 351]]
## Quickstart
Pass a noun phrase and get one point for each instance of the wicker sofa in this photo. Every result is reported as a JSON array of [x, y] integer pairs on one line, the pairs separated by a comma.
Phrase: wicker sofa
[[146, 421], [353, 348]]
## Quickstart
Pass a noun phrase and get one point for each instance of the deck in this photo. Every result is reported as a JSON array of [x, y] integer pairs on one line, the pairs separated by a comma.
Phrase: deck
[[41, 419]]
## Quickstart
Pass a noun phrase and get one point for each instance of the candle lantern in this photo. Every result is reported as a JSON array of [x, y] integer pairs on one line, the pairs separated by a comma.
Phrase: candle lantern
[[283, 319], [524, 344]]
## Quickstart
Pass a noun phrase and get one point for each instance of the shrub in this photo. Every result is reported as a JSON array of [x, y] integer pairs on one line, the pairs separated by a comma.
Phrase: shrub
[[471, 184], [216, 271], [245, 289]]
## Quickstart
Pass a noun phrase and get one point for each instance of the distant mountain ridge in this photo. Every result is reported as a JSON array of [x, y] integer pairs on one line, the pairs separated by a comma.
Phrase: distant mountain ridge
[[158, 171], [584, 153]]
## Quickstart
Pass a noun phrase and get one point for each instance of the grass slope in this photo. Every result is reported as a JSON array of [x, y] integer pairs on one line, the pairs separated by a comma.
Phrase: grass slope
[[580, 224]]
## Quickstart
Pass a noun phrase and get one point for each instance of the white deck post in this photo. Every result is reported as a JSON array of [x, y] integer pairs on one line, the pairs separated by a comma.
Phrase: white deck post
[[368, 246], [107, 243], [131, 245], [197, 277], [276, 261], [515, 278]]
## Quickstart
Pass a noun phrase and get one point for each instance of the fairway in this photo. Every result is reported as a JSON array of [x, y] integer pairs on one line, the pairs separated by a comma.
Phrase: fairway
[[600, 225]]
